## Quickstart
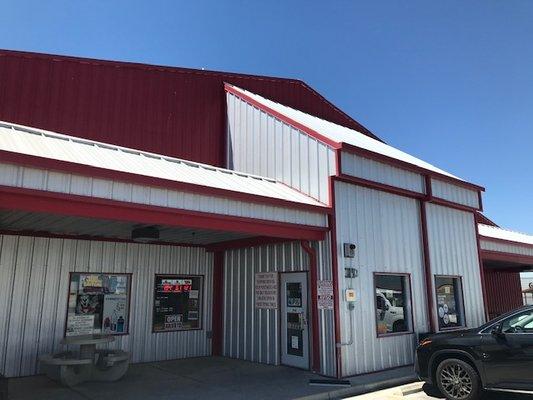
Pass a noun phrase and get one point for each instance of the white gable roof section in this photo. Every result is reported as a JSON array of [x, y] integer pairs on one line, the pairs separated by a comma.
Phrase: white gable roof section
[[336, 135]]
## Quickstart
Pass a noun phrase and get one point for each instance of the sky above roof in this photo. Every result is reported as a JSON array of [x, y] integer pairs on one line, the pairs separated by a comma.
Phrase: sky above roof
[[448, 82]]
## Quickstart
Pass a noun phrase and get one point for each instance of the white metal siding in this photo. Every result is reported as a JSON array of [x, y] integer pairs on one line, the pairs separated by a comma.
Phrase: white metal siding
[[506, 248], [34, 275], [453, 251], [32, 178], [386, 229], [253, 334], [261, 144], [454, 193], [365, 168]]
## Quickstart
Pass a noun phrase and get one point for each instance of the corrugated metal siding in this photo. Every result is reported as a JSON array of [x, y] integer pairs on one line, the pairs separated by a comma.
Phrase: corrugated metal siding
[[504, 292], [34, 276], [453, 251], [506, 248], [355, 165], [386, 230], [31, 178], [261, 144], [454, 193], [253, 334], [173, 111]]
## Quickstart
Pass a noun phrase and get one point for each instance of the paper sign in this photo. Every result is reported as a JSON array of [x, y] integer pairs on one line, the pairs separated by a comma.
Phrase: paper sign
[[294, 342], [80, 325], [266, 290], [325, 295]]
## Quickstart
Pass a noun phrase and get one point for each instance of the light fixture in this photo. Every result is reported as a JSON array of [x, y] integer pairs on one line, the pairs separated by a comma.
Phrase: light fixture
[[145, 234]]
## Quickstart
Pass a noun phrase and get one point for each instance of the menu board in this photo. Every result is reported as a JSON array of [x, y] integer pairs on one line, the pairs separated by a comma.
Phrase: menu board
[[177, 303], [98, 303]]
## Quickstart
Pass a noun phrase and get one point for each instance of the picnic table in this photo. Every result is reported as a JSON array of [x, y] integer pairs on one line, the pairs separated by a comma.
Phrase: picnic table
[[88, 364]]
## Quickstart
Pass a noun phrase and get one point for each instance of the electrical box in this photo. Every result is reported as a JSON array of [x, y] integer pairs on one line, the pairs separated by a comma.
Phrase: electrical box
[[350, 273], [349, 295], [349, 250]]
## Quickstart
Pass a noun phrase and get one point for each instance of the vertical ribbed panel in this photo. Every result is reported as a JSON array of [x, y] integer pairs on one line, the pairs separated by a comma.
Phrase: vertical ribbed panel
[[387, 231], [365, 168], [34, 275], [254, 334], [504, 291], [453, 251], [506, 248], [454, 193], [261, 144]]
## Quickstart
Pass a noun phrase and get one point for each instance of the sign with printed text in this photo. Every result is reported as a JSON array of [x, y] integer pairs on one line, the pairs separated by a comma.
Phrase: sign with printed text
[[266, 290], [325, 295]]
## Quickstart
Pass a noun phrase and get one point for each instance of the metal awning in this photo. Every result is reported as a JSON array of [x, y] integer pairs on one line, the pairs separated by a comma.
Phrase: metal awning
[[502, 248], [66, 181]]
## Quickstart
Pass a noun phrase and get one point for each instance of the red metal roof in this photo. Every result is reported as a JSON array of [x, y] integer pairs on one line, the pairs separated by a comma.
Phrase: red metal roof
[[174, 111]]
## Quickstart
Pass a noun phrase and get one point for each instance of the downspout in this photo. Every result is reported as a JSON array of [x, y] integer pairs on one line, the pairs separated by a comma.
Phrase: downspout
[[315, 366]]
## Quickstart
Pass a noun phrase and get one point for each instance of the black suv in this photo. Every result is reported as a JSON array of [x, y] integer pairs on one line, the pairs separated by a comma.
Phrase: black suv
[[495, 356]]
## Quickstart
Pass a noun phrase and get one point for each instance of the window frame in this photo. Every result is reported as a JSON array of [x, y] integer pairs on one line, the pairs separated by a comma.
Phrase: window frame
[[200, 299], [408, 296], [462, 305], [130, 279]]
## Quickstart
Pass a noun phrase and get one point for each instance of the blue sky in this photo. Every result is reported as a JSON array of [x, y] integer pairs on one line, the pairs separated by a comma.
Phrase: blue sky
[[450, 82]]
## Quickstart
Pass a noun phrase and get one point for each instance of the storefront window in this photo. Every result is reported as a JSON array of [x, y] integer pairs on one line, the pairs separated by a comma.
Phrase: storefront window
[[98, 303], [177, 303], [393, 303], [450, 307]]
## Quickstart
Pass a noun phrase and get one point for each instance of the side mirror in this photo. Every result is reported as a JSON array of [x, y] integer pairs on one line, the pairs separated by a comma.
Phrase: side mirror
[[387, 307], [496, 330]]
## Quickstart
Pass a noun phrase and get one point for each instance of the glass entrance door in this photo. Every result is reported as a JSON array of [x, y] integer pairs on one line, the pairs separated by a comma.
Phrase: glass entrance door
[[294, 320]]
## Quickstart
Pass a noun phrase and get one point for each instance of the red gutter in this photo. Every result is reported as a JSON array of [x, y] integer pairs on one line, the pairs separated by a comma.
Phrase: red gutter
[[335, 266], [245, 243], [82, 206], [314, 305], [427, 256], [87, 170]]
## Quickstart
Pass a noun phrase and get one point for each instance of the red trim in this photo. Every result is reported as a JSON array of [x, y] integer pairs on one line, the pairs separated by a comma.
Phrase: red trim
[[480, 201], [51, 235], [427, 262], [457, 206], [87, 170], [245, 243], [218, 301], [408, 166], [489, 255], [67, 204], [482, 273], [231, 89], [379, 186], [503, 241], [335, 270], [315, 366]]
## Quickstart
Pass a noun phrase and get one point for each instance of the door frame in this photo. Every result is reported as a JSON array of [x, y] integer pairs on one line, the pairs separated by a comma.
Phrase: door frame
[[309, 316]]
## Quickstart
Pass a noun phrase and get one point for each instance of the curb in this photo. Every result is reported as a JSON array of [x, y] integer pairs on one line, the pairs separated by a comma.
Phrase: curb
[[360, 389]]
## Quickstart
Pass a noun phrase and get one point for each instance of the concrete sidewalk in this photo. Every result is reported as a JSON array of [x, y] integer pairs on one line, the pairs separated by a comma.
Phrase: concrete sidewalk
[[205, 378]]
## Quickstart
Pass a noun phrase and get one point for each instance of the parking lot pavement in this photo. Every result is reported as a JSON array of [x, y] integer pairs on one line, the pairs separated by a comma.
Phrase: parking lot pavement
[[428, 393]]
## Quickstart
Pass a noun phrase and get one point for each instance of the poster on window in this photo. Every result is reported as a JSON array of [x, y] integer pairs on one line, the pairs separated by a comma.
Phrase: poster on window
[[448, 302], [97, 303], [266, 290], [177, 305]]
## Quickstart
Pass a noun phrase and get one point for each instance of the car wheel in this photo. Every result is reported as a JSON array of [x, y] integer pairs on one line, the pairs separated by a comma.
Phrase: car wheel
[[457, 380]]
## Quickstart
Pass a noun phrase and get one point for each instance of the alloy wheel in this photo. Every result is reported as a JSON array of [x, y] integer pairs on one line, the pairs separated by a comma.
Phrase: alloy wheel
[[456, 381]]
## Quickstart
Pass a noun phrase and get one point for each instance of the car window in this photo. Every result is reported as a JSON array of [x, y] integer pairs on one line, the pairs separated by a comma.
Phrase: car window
[[520, 323]]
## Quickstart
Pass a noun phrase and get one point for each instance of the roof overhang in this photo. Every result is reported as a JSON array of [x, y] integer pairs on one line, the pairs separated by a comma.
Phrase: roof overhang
[[504, 249], [170, 195]]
